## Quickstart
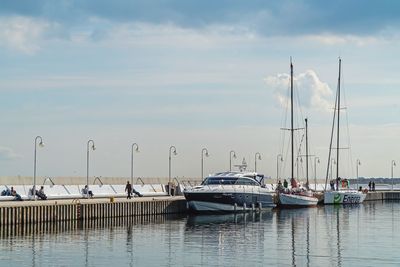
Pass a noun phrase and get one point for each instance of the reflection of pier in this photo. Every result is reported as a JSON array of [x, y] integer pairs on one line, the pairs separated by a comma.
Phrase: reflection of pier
[[71, 226]]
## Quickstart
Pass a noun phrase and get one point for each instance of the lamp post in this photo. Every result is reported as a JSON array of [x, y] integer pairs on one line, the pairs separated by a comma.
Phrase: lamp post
[[393, 165], [87, 164], [204, 152], [358, 163], [135, 147], [316, 160], [34, 165], [231, 154], [172, 149], [255, 160], [279, 157]]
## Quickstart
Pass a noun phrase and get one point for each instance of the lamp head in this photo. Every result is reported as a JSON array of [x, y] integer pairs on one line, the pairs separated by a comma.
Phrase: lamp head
[[318, 161], [41, 144], [93, 147], [234, 155], [207, 154]]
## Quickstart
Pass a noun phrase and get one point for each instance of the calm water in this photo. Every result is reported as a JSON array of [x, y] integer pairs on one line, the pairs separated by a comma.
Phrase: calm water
[[365, 235]]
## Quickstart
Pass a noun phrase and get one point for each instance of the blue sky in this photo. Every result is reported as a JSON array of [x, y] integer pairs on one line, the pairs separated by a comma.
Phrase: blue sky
[[192, 74]]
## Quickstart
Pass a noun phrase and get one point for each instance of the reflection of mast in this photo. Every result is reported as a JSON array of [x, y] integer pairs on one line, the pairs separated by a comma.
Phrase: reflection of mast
[[308, 241], [339, 254], [293, 245]]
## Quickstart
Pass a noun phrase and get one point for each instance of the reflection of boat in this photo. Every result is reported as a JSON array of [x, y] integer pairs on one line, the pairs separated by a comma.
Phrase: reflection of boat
[[230, 191], [235, 218], [297, 197], [341, 195]]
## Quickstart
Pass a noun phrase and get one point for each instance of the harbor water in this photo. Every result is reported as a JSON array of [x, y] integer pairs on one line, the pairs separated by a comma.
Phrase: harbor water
[[360, 235]]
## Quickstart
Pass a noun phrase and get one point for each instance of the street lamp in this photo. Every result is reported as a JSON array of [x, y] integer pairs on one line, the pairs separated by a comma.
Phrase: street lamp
[[204, 152], [135, 147], [231, 154], [393, 165], [87, 164], [34, 165], [316, 160], [279, 157], [172, 149], [255, 160], [358, 163]]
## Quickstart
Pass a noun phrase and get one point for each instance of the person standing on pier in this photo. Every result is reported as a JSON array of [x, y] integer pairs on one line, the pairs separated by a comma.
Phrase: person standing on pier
[[128, 189]]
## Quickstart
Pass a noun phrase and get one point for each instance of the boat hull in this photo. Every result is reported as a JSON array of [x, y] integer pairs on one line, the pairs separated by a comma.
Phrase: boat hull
[[344, 197], [228, 201], [293, 200]]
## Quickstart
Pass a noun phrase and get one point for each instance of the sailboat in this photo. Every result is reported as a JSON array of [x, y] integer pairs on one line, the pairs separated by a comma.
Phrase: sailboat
[[343, 195], [297, 196]]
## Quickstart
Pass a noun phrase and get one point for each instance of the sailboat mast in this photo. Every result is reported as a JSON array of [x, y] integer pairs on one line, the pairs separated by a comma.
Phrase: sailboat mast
[[291, 115], [338, 120], [306, 150]]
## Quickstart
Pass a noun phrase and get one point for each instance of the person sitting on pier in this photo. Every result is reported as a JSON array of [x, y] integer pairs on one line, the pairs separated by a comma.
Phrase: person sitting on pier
[[16, 196], [6, 192], [136, 192], [86, 191], [41, 193]]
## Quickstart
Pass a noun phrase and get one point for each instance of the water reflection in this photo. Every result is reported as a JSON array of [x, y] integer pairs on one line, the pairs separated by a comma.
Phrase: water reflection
[[364, 235]]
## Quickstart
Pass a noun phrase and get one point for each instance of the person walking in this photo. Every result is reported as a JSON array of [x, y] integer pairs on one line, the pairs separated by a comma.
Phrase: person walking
[[128, 189]]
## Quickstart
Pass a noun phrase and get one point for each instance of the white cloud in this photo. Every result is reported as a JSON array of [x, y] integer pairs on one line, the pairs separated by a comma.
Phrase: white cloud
[[334, 39], [8, 154], [23, 34], [313, 92]]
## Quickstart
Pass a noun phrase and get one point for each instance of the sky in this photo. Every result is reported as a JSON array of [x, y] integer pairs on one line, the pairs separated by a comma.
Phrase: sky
[[195, 74]]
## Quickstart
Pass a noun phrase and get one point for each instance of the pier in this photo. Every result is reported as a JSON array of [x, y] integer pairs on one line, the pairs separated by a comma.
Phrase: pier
[[31, 212], [27, 212]]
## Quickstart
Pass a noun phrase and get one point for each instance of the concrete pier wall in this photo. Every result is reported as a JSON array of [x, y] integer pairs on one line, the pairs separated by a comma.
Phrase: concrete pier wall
[[41, 212], [383, 195]]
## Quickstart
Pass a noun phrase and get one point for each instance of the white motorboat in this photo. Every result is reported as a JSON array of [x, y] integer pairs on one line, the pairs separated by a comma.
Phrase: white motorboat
[[229, 192]]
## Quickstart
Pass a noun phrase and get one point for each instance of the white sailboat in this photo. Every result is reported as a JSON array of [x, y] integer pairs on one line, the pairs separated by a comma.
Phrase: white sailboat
[[297, 196], [342, 195]]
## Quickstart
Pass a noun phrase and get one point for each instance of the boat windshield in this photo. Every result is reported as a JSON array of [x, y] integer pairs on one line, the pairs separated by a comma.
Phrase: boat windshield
[[230, 181]]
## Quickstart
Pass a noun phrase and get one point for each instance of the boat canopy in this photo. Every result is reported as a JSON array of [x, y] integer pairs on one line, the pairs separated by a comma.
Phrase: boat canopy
[[229, 180]]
